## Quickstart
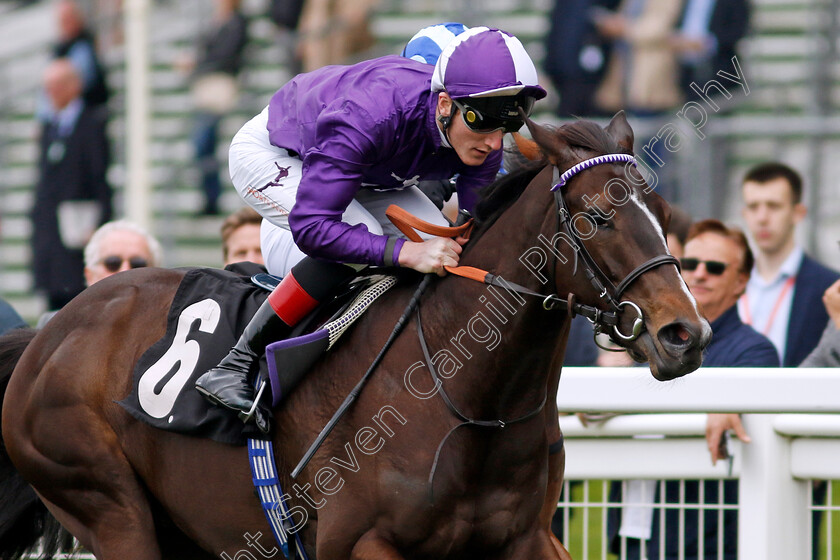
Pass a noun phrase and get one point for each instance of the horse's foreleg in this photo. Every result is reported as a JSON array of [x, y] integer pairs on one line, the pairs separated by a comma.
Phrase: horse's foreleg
[[373, 547], [556, 468], [556, 471], [560, 549]]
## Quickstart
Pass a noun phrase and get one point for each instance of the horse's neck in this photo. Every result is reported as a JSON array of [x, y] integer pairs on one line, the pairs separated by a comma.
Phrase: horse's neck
[[505, 342], [494, 352]]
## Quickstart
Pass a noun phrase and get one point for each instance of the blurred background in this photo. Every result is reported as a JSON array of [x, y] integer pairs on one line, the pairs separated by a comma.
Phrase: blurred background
[[786, 107]]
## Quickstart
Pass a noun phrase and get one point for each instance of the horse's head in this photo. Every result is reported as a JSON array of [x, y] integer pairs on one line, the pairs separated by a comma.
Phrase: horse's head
[[609, 243]]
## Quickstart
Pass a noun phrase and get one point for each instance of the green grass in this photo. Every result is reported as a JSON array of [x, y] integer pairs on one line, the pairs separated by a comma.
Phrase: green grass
[[587, 521], [586, 525], [831, 518]]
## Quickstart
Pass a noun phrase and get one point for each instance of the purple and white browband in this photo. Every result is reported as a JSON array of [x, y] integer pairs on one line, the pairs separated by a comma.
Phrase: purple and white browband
[[587, 163]]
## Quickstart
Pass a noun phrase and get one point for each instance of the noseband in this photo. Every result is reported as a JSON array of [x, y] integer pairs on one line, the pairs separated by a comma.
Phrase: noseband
[[599, 280]]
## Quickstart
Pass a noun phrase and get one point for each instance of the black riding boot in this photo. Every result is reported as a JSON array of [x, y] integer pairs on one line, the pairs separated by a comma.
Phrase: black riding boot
[[229, 383]]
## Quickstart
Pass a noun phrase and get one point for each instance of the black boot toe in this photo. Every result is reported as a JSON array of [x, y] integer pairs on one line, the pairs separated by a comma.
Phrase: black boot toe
[[226, 388]]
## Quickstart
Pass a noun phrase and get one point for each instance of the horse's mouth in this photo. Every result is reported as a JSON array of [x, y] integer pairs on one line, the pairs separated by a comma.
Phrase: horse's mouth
[[668, 362], [637, 356]]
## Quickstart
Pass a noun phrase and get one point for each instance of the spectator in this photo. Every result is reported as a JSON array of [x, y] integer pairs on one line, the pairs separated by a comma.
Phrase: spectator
[[716, 267], [707, 34], [331, 31], [241, 237], [114, 247], [642, 74], [72, 195], [285, 13], [9, 318], [118, 246], [576, 54], [215, 91], [77, 43], [827, 352], [783, 298]]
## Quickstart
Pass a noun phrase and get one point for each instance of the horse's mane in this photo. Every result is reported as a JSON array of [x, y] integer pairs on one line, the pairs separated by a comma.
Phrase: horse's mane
[[502, 193]]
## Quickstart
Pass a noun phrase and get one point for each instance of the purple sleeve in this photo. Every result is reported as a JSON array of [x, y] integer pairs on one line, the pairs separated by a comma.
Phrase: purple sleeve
[[472, 179], [331, 175]]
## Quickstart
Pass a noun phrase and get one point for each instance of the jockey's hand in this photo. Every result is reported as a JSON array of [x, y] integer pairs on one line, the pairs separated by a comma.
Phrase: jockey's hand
[[431, 255]]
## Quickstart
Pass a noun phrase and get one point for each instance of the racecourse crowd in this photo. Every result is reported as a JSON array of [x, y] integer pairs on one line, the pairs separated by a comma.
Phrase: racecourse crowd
[[768, 301]]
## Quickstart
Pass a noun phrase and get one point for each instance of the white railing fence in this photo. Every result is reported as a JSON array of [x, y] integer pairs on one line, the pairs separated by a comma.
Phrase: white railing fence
[[788, 414]]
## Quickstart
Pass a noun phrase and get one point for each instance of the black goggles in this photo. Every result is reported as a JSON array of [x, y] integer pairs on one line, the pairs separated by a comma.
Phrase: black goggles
[[489, 114], [114, 262], [714, 268]]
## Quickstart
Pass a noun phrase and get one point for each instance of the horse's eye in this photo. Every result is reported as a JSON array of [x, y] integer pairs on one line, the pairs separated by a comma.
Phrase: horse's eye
[[599, 219]]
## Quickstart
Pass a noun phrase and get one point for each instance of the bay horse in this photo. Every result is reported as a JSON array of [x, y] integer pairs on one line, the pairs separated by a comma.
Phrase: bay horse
[[402, 475]]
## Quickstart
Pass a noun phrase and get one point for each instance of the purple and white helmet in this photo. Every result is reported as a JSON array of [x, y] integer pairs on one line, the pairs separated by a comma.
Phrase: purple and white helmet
[[485, 62]]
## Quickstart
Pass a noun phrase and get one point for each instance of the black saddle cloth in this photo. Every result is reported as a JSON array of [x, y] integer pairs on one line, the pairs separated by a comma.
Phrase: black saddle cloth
[[210, 309], [208, 313]]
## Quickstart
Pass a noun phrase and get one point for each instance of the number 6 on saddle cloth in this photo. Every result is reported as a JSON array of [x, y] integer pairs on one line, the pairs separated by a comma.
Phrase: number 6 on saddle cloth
[[203, 322]]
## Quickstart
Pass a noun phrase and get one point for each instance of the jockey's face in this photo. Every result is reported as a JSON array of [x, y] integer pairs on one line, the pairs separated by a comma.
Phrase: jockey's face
[[472, 147]]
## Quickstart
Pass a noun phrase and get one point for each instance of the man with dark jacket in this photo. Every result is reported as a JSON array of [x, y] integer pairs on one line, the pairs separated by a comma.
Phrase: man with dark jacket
[[72, 196], [716, 267], [707, 35], [77, 43], [784, 295]]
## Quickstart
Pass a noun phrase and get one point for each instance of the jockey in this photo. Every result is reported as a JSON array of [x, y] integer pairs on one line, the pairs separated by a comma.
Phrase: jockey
[[335, 147]]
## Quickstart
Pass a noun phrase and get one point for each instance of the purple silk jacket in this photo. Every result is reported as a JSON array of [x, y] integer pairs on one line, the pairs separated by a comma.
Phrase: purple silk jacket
[[370, 125]]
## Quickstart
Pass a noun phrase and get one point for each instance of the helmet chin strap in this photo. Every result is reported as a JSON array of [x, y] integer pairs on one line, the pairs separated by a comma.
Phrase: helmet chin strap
[[445, 121], [444, 130]]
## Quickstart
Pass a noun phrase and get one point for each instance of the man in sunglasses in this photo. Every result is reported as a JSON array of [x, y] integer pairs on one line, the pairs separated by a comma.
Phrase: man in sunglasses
[[118, 246], [716, 266], [114, 247], [335, 147]]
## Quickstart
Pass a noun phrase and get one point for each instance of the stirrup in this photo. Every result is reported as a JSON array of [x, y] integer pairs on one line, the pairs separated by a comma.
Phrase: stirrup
[[247, 416]]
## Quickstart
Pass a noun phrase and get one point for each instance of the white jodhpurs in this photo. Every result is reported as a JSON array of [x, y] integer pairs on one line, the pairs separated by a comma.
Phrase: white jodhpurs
[[267, 179]]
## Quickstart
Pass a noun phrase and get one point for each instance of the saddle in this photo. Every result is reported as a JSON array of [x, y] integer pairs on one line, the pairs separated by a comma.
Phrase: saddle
[[289, 359]]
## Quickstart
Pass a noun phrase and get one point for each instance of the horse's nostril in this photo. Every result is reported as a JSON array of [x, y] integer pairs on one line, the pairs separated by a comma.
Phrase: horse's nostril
[[676, 337]]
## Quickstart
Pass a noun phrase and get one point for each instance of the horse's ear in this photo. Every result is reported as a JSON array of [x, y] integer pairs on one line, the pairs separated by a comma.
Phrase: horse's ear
[[527, 147], [555, 149], [621, 132]]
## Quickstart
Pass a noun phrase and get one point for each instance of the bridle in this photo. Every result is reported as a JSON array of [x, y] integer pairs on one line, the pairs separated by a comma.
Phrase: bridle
[[602, 321], [599, 280]]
